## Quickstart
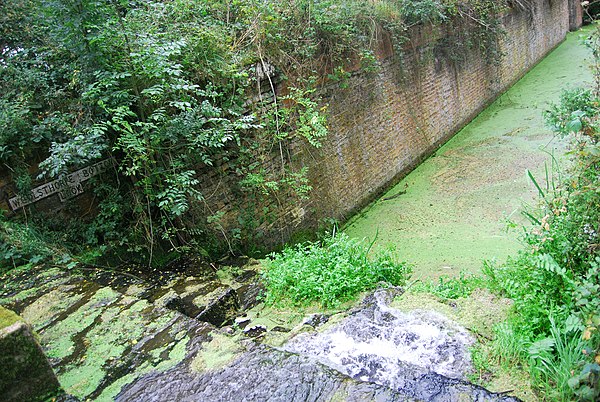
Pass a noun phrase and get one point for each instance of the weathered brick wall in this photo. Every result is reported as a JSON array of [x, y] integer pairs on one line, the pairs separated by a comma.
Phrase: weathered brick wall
[[575, 14], [385, 124]]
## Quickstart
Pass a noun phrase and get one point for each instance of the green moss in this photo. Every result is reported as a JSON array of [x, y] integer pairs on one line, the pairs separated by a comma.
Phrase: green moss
[[227, 275], [58, 339], [203, 300], [99, 335], [50, 272], [43, 310], [341, 395], [217, 353], [27, 293], [110, 392], [82, 380], [8, 317], [44, 279], [26, 374], [176, 355]]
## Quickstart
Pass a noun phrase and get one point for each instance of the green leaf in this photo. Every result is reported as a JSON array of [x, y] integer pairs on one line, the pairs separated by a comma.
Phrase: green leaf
[[574, 126], [535, 183], [541, 347]]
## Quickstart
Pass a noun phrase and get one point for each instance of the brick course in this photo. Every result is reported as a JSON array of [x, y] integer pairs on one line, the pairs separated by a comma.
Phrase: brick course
[[383, 127]]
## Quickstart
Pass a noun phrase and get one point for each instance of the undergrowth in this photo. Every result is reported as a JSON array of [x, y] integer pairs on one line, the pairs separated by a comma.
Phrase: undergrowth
[[449, 288], [22, 244], [329, 272], [553, 330]]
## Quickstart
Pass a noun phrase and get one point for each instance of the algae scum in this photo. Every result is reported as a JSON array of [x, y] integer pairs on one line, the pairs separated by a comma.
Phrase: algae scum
[[202, 335]]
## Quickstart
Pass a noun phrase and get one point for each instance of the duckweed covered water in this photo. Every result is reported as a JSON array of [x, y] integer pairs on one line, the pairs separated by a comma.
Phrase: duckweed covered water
[[454, 212]]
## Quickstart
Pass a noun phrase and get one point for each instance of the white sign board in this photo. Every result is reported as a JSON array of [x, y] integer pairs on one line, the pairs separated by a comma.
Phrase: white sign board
[[67, 187]]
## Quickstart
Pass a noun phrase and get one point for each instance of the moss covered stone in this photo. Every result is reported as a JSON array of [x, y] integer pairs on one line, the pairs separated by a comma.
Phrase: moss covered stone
[[7, 318], [26, 373]]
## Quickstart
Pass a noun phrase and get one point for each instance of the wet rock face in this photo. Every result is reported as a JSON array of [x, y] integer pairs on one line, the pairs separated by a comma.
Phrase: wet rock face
[[102, 330], [208, 298], [379, 344], [259, 375], [376, 353], [98, 338], [26, 374], [133, 343], [274, 375], [221, 309], [248, 294], [316, 320]]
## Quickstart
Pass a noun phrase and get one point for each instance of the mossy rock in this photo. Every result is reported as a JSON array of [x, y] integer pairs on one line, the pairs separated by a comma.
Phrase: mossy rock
[[8, 317], [26, 373]]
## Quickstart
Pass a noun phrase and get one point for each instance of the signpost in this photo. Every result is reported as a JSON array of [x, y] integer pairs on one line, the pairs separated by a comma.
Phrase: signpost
[[67, 187]]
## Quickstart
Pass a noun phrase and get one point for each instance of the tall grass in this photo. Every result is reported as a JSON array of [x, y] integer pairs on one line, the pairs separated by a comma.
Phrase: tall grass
[[555, 280], [554, 359]]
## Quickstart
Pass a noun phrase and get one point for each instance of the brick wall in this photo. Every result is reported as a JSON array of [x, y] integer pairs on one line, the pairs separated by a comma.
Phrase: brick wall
[[386, 124], [575, 14]]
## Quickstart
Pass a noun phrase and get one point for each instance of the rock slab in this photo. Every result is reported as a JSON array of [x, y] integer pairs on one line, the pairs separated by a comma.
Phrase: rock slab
[[26, 373]]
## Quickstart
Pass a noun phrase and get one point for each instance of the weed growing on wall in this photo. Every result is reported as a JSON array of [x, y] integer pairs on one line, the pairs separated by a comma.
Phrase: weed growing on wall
[[169, 91]]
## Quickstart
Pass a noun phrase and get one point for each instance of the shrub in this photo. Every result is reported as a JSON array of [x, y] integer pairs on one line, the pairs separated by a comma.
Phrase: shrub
[[329, 272]]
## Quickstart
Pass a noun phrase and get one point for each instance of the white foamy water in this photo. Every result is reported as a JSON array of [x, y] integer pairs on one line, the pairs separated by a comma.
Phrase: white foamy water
[[384, 345]]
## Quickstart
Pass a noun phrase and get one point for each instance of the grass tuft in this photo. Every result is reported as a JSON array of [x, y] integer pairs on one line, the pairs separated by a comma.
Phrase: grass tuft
[[329, 272]]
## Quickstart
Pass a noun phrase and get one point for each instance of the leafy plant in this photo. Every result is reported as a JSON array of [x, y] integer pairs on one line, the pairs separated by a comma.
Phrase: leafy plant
[[23, 244], [554, 358], [329, 272], [422, 11]]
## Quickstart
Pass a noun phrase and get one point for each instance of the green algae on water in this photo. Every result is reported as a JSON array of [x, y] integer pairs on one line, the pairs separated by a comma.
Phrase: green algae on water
[[456, 204]]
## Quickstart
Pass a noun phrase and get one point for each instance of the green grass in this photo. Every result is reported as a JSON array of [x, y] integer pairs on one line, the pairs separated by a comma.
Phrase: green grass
[[451, 288], [329, 272], [554, 361]]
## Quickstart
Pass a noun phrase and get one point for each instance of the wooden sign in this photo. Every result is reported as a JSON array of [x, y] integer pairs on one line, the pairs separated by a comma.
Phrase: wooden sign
[[67, 187]]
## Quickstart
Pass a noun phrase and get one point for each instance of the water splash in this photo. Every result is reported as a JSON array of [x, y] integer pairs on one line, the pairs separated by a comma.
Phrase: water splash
[[380, 344]]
